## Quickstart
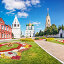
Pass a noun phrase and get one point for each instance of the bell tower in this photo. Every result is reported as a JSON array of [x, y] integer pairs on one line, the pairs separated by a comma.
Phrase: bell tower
[[48, 21], [16, 30]]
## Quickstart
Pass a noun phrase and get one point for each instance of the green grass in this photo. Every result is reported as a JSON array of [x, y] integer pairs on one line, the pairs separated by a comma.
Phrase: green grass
[[35, 55], [5, 47]]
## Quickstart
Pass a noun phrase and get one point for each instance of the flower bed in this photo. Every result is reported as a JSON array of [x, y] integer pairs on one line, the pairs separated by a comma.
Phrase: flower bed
[[62, 41], [14, 53], [27, 39]]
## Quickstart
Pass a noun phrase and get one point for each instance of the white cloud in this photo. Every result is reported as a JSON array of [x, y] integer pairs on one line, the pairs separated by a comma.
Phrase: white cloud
[[19, 4], [34, 2], [36, 23], [22, 14], [10, 12]]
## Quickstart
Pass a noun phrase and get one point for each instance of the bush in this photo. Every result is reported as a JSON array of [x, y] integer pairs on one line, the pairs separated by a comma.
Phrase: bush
[[36, 38], [42, 37], [27, 39], [49, 39]]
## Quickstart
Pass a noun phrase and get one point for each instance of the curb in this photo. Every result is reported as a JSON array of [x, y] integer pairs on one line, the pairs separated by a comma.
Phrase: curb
[[50, 53]]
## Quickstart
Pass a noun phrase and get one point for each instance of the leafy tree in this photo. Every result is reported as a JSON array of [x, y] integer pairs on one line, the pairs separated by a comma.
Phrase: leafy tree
[[51, 30], [62, 27], [59, 28], [37, 34], [40, 33]]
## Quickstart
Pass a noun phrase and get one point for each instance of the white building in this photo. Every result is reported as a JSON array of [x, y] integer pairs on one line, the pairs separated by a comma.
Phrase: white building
[[30, 32], [16, 30], [61, 33]]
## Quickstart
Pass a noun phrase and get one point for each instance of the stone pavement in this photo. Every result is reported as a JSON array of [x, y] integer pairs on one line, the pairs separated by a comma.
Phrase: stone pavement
[[57, 50]]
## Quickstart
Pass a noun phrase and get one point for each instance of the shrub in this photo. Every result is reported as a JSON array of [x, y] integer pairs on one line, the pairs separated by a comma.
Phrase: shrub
[[42, 37], [36, 38], [27, 39], [49, 39]]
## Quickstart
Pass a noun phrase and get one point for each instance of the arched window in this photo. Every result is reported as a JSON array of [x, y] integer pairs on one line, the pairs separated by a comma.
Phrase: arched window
[[18, 25], [2, 35], [14, 25]]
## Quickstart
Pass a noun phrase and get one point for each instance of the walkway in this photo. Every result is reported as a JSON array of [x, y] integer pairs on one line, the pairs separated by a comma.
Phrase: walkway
[[54, 49]]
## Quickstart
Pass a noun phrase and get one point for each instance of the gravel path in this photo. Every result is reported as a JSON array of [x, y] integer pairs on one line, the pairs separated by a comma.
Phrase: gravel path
[[56, 50]]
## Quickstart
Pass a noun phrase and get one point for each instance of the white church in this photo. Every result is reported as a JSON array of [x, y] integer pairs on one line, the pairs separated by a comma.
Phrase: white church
[[30, 32], [16, 29]]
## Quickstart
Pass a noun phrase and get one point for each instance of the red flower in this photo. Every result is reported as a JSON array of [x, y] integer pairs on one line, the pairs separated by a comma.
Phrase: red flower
[[56, 40], [16, 57], [10, 53], [30, 45]]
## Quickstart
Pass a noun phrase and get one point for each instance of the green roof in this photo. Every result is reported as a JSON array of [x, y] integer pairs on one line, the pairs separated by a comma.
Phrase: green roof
[[27, 24]]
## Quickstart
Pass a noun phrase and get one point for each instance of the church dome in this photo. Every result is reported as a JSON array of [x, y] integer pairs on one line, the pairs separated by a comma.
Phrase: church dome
[[30, 24]]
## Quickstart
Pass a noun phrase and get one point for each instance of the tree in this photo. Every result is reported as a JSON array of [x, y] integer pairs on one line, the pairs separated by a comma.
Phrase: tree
[[40, 33], [59, 27], [62, 27], [52, 30], [37, 34]]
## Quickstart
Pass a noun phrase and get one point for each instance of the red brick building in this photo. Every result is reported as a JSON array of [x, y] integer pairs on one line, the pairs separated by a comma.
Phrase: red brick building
[[5, 30]]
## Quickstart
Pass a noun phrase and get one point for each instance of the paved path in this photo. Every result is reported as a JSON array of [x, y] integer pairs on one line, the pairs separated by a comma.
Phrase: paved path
[[56, 50]]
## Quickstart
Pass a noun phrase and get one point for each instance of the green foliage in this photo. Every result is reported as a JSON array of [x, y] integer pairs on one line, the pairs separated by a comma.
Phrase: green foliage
[[60, 27], [27, 39], [40, 33], [37, 34], [37, 38], [52, 30]]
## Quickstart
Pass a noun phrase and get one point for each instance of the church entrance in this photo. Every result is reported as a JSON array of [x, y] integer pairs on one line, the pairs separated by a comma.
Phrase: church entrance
[[61, 35], [30, 35]]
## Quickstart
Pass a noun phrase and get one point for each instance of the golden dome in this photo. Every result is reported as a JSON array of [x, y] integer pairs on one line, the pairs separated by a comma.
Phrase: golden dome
[[30, 24]]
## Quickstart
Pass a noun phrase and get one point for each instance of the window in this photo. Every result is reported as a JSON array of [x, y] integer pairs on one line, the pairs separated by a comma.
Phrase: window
[[2, 35], [2, 27], [14, 25], [7, 28], [18, 25], [7, 35]]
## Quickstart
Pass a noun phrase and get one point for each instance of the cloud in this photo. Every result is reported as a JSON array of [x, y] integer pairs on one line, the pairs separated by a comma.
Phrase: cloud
[[36, 23], [35, 2], [10, 12], [22, 14], [13, 4], [22, 5], [19, 4]]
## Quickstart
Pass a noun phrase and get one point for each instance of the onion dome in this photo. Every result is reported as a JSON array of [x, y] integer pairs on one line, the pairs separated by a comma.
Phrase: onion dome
[[30, 24]]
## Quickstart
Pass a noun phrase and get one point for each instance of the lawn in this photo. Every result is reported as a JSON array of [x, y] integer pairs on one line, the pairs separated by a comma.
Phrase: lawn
[[35, 55], [6, 47]]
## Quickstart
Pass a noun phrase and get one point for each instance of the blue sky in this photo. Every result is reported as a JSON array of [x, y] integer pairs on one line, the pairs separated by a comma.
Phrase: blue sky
[[33, 11]]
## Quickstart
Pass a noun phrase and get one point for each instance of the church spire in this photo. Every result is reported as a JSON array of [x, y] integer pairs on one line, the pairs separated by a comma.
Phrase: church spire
[[47, 11], [48, 21]]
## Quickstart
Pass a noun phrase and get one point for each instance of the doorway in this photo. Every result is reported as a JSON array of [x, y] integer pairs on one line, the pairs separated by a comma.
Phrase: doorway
[[61, 35]]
